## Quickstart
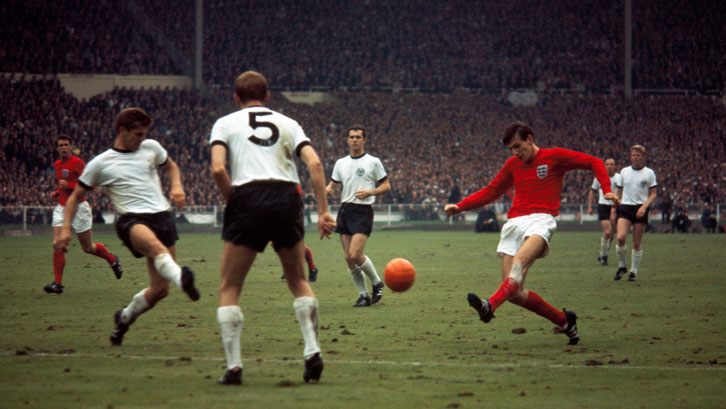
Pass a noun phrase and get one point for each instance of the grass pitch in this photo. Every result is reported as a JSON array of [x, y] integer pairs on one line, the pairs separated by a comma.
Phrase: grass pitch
[[654, 343]]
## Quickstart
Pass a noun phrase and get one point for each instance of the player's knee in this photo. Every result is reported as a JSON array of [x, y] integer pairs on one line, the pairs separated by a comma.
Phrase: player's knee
[[89, 249], [518, 298], [157, 294], [517, 272]]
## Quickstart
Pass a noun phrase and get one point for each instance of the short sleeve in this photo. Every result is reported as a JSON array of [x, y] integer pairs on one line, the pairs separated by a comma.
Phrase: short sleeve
[[335, 176], [379, 171], [218, 134], [298, 136], [160, 154], [91, 175], [595, 185], [653, 182]]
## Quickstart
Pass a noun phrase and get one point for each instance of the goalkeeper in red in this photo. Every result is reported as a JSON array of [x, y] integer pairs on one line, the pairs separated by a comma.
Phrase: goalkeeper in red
[[536, 175]]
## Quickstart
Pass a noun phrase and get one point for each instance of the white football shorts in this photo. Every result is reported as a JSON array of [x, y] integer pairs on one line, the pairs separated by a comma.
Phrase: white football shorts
[[516, 230], [83, 220]]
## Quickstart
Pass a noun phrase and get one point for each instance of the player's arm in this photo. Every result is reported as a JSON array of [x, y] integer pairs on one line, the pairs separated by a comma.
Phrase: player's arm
[[383, 188], [652, 194], [177, 191], [332, 187], [326, 223], [578, 160], [501, 183], [590, 198], [219, 170], [62, 240]]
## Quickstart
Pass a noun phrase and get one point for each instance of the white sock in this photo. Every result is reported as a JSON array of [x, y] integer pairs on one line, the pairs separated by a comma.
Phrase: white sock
[[306, 310], [360, 281], [635, 258], [230, 324], [610, 243], [622, 252], [604, 246], [168, 268], [369, 270], [136, 307]]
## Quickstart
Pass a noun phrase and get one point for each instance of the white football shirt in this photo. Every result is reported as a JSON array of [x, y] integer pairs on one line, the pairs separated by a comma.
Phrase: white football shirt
[[636, 184], [130, 178], [613, 185], [261, 144], [361, 173]]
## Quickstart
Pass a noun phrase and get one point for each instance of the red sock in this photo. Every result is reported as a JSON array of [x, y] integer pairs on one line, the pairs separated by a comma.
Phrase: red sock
[[309, 258], [506, 289], [103, 253], [536, 304], [59, 262]]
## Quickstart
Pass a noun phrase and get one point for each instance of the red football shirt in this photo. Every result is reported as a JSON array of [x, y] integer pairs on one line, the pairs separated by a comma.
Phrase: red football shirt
[[538, 184], [69, 170]]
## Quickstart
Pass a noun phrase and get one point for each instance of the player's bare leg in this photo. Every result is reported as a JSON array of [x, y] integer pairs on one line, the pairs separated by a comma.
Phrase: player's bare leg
[[312, 269], [236, 263], [145, 242], [59, 262], [605, 241], [99, 250], [354, 255], [359, 279], [143, 301], [306, 308], [514, 272], [621, 248], [637, 253]]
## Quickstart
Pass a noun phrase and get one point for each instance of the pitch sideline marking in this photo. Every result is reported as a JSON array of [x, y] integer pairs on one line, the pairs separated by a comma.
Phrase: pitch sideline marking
[[374, 362]]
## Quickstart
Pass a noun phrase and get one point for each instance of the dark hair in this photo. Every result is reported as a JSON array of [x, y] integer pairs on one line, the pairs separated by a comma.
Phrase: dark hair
[[250, 86], [131, 118], [356, 128], [516, 128], [63, 137]]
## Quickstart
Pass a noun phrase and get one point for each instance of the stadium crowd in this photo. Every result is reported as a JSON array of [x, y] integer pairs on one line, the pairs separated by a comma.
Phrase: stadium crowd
[[428, 142], [435, 46]]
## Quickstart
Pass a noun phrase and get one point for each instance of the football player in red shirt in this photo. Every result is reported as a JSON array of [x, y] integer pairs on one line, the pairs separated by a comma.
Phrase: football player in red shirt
[[536, 175], [67, 170]]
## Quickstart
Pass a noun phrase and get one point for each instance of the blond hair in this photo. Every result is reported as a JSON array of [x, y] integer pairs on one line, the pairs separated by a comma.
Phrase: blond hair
[[639, 148]]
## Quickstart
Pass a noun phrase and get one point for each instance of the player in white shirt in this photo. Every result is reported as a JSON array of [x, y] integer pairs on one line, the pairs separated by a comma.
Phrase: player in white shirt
[[359, 173], [637, 190], [128, 173], [264, 204], [606, 213]]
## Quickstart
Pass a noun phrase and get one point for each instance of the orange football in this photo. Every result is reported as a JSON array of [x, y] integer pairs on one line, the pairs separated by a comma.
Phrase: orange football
[[399, 274]]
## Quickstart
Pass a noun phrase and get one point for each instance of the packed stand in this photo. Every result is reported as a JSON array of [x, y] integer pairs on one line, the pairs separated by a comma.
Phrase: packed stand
[[432, 46], [428, 143]]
